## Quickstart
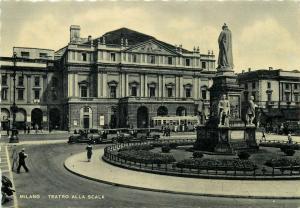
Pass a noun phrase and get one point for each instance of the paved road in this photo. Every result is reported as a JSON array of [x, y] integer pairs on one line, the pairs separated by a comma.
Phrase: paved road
[[47, 176]]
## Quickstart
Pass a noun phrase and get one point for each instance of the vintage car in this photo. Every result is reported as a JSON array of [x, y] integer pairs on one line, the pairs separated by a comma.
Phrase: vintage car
[[122, 138], [83, 136], [146, 134]]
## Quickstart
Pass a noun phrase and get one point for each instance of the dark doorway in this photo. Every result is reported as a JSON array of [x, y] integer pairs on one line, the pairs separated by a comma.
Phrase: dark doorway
[[54, 119], [162, 111], [86, 121], [181, 111], [36, 117], [142, 117]]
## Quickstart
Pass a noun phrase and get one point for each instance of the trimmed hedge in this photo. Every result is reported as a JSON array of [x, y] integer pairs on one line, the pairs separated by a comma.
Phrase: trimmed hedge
[[137, 147], [243, 155], [165, 149], [217, 164], [283, 162], [144, 156]]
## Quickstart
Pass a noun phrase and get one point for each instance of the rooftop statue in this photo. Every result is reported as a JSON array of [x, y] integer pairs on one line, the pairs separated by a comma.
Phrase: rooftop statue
[[225, 60]]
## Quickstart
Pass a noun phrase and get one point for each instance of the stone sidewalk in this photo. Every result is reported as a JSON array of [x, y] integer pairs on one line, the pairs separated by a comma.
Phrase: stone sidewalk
[[98, 170]]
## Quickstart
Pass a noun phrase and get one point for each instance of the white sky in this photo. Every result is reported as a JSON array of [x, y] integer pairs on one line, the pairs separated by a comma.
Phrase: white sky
[[264, 33]]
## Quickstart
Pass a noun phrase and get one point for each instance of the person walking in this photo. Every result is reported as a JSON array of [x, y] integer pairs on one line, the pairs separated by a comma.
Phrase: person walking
[[22, 157], [263, 138], [290, 139], [89, 151]]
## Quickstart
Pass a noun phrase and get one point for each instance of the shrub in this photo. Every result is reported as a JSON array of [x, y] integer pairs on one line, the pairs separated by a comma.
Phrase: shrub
[[283, 162], [173, 145], [244, 155], [217, 164], [197, 154], [165, 149], [143, 156], [137, 147]]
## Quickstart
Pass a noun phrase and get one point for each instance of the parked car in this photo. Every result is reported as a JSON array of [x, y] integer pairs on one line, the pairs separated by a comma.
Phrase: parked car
[[147, 134], [83, 136], [122, 138]]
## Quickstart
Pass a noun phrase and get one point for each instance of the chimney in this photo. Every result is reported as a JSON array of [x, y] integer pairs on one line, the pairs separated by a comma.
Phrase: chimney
[[249, 69], [243, 71], [74, 33], [270, 68], [198, 49], [89, 38]]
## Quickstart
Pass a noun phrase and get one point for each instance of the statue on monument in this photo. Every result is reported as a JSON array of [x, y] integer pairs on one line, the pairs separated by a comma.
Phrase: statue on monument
[[224, 111], [250, 114], [225, 60]]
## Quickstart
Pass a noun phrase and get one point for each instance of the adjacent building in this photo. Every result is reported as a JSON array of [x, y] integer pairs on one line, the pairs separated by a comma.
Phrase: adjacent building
[[276, 92], [121, 79]]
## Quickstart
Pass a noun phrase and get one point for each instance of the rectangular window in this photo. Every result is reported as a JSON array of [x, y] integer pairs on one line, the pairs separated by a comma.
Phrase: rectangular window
[[152, 59], [170, 60], [133, 91], [83, 57], [37, 81], [113, 91], [152, 91], [203, 64], [4, 94], [36, 94], [20, 94], [287, 97], [295, 86], [83, 91], [246, 93], [204, 94], [253, 85], [24, 54], [170, 92], [113, 57], [134, 58], [287, 86], [188, 92], [187, 62], [21, 81], [4, 80], [43, 55], [269, 85], [296, 98], [246, 86]]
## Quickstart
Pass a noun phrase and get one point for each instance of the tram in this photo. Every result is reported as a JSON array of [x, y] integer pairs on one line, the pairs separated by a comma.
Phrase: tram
[[176, 123]]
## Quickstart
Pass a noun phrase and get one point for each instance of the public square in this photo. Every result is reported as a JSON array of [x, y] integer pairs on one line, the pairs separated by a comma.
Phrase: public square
[[50, 184]]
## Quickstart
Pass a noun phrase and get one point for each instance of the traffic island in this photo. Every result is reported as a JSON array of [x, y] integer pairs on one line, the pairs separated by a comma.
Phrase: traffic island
[[100, 171]]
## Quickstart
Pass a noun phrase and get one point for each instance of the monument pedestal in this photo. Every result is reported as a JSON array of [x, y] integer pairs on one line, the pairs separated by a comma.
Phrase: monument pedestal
[[225, 137]]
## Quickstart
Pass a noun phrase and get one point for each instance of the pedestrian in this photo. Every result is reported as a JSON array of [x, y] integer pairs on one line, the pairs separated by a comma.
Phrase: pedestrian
[[7, 131], [28, 129], [89, 151], [263, 138], [290, 139], [25, 128], [36, 127], [22, 157]]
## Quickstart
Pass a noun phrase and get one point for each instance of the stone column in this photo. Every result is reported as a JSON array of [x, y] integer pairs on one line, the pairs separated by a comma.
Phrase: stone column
[[120, 83], [163, 86], [199, 88], [142, 85], [177, 87], [159, 86], [126, 85], [29, 89], [44, 90], [180, 86], [146, 85], [76, 85], [99, 84], [195, 87], [123, 85], [104, 88]]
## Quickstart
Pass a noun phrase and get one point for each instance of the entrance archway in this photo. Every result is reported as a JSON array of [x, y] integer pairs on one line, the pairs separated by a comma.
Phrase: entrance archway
[[86, 119], [54, 119], [21, 118], [142, 117], [162, 111], [181, 111], [5, 115], [37, 117]]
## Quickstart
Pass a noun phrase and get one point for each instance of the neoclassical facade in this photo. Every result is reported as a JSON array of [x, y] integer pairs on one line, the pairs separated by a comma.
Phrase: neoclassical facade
[[121, 79]]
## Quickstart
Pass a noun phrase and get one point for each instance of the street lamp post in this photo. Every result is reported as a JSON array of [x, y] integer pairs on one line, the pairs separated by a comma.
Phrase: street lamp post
[[14, 132]]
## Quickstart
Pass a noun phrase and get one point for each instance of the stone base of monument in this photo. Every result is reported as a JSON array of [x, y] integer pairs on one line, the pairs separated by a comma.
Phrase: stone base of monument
[[224, 139]]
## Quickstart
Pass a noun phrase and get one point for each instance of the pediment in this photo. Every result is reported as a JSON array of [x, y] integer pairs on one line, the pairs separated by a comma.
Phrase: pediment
[[151, 47]]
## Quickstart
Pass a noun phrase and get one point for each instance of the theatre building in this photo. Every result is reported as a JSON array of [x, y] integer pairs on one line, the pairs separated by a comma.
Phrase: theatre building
[[120, 79]]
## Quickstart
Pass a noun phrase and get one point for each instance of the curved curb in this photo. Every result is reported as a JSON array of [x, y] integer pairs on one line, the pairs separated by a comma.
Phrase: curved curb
[[174, 192]]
